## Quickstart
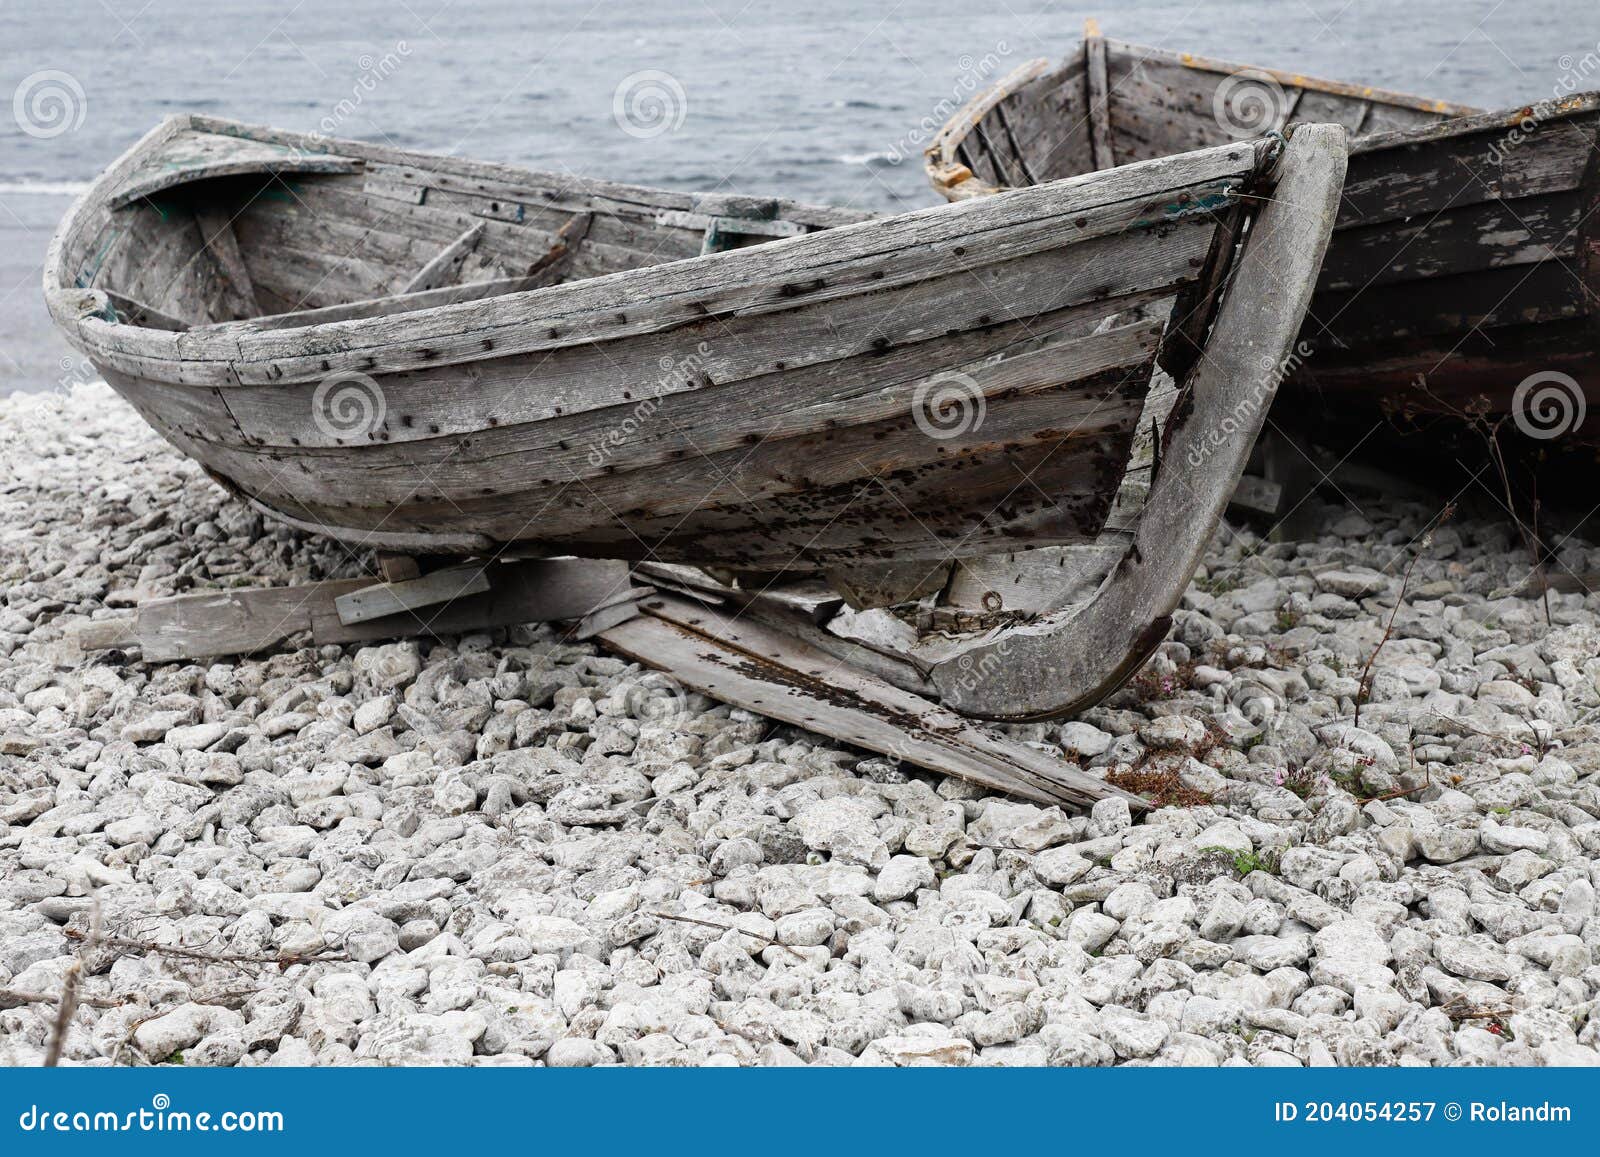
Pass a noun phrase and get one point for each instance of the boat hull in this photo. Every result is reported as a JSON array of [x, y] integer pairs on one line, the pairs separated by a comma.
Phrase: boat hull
[[1463, 277], [953, 381]]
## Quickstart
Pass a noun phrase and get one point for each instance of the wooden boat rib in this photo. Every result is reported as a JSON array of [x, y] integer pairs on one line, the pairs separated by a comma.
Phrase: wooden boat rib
[[432, 355], [1464, 259]]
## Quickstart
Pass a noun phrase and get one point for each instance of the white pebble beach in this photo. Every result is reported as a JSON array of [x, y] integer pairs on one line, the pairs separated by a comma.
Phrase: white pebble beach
[[509, 850]]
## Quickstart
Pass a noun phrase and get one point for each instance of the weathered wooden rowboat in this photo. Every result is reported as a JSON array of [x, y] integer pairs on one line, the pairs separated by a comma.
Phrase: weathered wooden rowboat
[[428, 355], [1466, 255]]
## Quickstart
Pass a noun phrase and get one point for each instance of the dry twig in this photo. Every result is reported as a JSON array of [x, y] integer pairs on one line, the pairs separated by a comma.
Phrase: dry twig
[[1364, 689], [282, 960], [69, 987]]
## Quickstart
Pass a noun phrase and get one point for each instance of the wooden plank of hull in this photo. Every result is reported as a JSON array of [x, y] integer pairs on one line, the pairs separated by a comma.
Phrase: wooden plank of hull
[[1423, 178], [1472, 372], [760, 669], [1455, 311], [658, 428], [778, 499], [778, 277], [1368, 323], [1468, 238], [806, 358]]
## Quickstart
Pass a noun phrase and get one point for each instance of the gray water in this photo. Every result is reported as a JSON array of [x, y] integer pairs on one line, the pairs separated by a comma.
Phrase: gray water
[[816, 100]]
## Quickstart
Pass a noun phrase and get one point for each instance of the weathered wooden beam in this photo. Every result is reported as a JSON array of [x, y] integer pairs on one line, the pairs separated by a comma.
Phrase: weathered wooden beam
[[1094, 52], [241, 621], [621, 607], [445, 267], [216, 230], [760, 668], [390, 598]]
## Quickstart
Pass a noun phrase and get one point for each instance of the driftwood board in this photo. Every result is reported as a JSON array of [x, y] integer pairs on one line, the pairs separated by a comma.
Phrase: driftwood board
[[765, 670], [240, 621]]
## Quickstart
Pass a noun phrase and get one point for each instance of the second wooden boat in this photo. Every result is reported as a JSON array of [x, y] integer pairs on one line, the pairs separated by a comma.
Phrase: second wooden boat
[[435, 356], [1464, 272]]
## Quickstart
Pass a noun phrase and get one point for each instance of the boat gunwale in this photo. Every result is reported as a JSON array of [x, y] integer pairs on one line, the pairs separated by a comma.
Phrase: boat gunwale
[[942, 168], [74, 308], [1300, 80], [216, 351], [1553, 109]]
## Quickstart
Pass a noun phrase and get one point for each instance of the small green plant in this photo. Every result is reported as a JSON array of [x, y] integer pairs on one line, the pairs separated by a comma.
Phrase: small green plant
[[1300, 781], [1246, 862], [1287, 620]]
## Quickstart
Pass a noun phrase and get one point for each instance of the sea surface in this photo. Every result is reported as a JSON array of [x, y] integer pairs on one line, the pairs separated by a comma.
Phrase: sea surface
[[820, 100]]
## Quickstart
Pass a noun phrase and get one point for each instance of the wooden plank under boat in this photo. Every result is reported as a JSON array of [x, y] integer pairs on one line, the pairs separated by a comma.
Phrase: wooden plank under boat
[[437, 356], [1464, 271]]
